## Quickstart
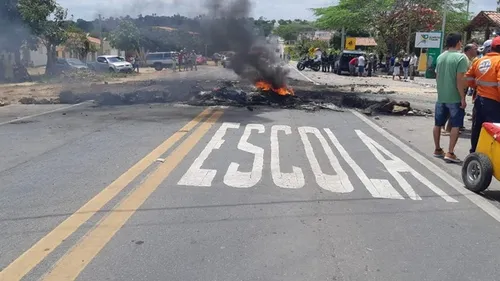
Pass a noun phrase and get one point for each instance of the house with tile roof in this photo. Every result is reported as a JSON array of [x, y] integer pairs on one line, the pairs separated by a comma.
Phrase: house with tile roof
[[485, 23]]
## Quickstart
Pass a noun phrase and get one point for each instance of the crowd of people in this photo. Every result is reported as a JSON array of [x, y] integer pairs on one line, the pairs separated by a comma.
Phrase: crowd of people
[[186, 60], [473, 71], [403, 65]]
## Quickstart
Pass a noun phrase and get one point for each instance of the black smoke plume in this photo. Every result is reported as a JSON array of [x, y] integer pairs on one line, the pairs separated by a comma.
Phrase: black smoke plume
[[255, 58]]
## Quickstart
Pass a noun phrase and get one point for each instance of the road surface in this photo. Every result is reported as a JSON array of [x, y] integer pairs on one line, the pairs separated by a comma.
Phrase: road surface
[[169, 192]]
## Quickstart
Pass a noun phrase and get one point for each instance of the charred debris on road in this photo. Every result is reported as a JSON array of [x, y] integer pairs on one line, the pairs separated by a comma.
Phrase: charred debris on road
[[309, 98], [304, 96]]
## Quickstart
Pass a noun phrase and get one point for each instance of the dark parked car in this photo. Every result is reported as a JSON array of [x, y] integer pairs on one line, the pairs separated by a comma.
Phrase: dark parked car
[[63, 64], [342, 62]]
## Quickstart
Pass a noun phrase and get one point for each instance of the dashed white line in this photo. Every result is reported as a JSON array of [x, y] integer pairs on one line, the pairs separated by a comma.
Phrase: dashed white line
[[479, 201]]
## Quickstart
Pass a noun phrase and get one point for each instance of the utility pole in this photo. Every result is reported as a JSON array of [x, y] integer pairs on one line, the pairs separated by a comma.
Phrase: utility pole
[[466, 17], [101, 47], [342, 39], [443, 27], [408, 40]]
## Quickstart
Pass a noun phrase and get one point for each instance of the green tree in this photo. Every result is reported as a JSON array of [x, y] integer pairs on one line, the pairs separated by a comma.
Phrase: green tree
[[14, 33], [47, 20], [290, 30], [352, 14], [264, 26], [456, 17], [126, 37], [79, 44]]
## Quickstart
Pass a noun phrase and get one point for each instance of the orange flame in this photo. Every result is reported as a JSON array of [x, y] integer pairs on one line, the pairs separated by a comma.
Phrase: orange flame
[[266, 86]]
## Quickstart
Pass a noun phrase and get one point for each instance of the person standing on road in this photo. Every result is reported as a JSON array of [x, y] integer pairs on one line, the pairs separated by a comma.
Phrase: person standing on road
[[484, 75], [451, 67], [180, 59], [413, 65], [136, 63], [470, 50], [391, 62], [174, 61], [406, 66], [317, 55], [352, 66], [361, 65], [396, 69], [185, 59], [193, 61]]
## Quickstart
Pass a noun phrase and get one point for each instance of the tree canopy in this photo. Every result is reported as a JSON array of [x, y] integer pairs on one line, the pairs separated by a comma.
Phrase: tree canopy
[[289, 30], [126, 36], [393, 22]]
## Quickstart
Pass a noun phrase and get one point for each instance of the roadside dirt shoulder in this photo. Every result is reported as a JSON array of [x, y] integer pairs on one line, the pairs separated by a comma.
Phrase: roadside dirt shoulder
[[48, 92]]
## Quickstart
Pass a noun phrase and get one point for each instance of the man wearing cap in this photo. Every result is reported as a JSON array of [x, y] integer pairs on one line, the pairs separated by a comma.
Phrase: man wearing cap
[[484, 75]]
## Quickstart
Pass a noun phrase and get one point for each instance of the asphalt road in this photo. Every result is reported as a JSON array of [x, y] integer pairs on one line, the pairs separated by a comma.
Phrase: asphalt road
[[166, 192]]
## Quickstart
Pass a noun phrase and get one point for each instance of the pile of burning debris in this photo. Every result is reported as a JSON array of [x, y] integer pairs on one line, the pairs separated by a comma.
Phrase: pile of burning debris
[[263, 94]]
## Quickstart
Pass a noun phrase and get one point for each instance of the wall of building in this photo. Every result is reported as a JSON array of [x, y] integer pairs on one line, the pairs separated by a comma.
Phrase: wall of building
[[35, 58]]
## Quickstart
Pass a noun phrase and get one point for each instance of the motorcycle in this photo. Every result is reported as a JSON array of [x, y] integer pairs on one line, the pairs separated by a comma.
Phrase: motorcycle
[[309, 63]]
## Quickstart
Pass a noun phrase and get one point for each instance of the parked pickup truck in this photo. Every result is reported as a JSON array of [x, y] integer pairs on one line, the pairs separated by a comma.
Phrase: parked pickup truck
[[111, 63]]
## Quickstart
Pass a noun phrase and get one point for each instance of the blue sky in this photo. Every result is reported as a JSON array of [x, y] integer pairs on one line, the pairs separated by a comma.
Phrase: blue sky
[[285, 9]]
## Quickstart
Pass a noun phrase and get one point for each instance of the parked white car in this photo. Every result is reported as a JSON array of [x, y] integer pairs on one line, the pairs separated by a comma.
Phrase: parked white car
[[112, 64]]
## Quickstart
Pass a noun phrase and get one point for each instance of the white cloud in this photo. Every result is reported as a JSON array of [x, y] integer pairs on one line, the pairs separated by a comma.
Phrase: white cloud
[[287, 9]]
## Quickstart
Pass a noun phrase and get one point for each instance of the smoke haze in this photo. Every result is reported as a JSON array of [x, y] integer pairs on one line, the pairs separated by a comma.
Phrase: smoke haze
[[254, 59]]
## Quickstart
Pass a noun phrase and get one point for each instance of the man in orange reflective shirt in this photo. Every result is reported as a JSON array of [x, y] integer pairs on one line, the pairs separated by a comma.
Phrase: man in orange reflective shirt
[[484, 75]]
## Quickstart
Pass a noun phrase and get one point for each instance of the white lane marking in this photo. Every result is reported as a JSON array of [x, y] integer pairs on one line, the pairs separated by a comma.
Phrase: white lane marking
[[335, 183], [479, 201], [396, 166], [377, 188], [283, 180], [385, 188], [298, 71], [44, 113], [235, 178], [393, 165], [195, 175]]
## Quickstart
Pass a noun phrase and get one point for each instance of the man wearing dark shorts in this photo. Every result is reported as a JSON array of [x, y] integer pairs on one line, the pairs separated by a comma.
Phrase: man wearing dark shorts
[[485, 76], [451, 67]]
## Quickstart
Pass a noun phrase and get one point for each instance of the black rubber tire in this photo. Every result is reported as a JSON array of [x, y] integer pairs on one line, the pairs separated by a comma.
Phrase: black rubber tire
[[486, 172], [158, 66], [111, 70], [316, 68], [300, 66]]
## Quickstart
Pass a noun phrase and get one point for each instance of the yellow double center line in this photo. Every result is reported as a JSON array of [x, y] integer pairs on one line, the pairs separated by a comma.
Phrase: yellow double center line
[[77, 258]]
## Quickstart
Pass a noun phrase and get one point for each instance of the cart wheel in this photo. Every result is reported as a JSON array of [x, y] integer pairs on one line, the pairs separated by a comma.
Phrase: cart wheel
[[477, 172]]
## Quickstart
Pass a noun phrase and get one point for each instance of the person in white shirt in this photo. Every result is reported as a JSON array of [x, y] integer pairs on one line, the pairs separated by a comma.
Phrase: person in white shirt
[[413, 65], [317, 55], [361, 65]]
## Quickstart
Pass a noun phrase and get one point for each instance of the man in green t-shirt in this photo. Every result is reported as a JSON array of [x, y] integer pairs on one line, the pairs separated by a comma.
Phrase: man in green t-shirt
[[451, 67]]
